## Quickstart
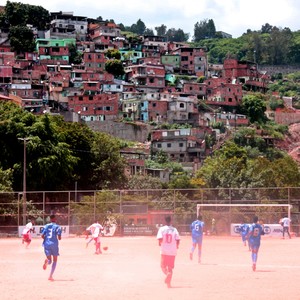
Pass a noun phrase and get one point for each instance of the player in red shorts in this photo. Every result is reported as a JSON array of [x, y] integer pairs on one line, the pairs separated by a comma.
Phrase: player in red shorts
[[168, 240], [26, 234]]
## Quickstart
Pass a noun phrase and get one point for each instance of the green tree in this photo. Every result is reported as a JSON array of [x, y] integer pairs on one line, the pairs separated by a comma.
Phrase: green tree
[[253, 105], [138, 28], [75, 55], [21, 39], [108, 166], [113, 53], [19, 14], [115, 67], [149, 31], [6, 177], [176, 35], [161, 30], [141, 182], [204, 29]]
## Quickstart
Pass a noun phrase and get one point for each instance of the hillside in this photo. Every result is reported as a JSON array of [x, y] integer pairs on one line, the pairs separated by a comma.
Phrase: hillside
[[291, 143]]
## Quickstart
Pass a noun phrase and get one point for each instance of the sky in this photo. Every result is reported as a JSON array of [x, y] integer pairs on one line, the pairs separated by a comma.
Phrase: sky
[[231, 16]]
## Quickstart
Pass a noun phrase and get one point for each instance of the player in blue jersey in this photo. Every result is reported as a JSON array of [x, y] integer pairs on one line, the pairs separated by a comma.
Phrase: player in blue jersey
[[256, 230], [197, 234], [51, 234], [243, 229]]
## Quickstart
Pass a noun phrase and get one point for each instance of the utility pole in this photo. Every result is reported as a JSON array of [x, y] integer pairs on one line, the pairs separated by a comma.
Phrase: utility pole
[[24, 179]]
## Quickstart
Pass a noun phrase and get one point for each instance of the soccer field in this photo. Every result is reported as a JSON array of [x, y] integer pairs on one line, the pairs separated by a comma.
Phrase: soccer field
[[130, 269]]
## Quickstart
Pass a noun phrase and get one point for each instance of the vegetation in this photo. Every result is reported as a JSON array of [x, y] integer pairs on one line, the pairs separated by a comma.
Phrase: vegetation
[[64, 152]]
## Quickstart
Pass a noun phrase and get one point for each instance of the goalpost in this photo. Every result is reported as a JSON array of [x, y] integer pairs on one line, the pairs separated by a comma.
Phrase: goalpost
[[227, 214]]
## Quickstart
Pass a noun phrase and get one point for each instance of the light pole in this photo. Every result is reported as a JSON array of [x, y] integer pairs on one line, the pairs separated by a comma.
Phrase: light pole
[[24, 179]]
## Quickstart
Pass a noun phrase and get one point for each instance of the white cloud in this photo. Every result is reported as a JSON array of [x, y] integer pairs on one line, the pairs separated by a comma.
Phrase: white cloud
[[231, 16]]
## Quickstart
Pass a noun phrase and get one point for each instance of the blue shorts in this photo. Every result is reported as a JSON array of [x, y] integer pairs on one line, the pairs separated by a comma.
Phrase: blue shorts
[[197, 239], [51, 250]]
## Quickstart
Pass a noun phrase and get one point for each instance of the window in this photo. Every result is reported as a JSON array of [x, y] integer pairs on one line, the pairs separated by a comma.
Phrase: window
[[154, 104], [169, 145], [180, 145], [158, 145], [181, 105]]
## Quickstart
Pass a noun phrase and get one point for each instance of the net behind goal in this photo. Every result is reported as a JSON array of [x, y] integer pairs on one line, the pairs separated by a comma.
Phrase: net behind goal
[[226, 214]]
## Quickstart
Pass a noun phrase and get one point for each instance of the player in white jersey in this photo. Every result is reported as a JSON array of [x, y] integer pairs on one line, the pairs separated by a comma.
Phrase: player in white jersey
[[26, 234], [168, 240], [96, 229]]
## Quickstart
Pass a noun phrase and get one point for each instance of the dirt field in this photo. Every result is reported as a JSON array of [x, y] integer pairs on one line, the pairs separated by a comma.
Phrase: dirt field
[[130, 270]]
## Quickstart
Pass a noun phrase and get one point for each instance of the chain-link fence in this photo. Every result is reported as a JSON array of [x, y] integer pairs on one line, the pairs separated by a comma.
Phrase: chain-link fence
[[141, 212]]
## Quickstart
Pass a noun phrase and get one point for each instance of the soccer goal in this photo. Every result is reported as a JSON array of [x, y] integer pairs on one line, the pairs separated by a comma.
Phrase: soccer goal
[[226, 214]]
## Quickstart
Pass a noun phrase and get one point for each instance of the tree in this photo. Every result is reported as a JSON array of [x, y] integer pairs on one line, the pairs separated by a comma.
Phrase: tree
[[142, 182], [6, 177], [149, 31], [138, 28], [115, 67], [204, 29], [267, 28], [19, 14], [176, 35], [161, 30], [108, 165], [113, 53], [21, 39], [253, 105], [75, 56]]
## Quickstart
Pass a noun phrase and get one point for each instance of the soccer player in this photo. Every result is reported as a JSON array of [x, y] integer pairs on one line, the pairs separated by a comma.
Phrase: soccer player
[[256, 230], [168, 240], [51, 234], [285, 221], [96, 229], [244, 228], [197, 235], [26, 234]]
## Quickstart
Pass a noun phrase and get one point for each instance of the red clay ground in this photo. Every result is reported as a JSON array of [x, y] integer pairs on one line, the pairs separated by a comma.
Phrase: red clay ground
[[130, 270]]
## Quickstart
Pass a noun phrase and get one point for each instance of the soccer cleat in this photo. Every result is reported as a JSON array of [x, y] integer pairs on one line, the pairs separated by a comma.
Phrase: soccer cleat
[[191, 256], [254, 267], [51, 279], [45, 264]]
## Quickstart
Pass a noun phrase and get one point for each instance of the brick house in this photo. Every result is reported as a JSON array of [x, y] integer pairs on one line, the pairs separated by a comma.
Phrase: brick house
[[146, 76], [183, 145], [94, 61], [54, 50], [98, 107], [246, 73], [104, 33], [193, 61], [154, 111]]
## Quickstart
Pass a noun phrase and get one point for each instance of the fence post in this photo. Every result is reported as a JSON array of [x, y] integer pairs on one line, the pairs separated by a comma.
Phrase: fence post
[[69, 208], [95, 205]]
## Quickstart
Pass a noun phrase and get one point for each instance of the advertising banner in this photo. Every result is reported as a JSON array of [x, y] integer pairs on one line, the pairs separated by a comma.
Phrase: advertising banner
[[37, 231], [269, 229]]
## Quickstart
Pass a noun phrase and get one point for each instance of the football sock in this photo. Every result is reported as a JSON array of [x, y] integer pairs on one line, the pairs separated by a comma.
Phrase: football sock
[[53, 268]]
